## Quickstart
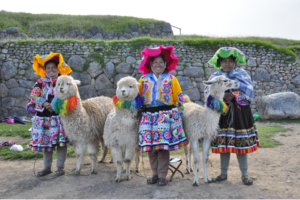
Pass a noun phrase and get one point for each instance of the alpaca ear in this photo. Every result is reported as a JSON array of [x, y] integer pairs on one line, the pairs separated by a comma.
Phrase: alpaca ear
[[138, 84], [77, 82], [209, 82]]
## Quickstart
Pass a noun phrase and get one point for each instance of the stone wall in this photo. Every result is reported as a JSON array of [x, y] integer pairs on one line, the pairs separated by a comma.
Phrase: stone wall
[[100, 65], [163, 31]]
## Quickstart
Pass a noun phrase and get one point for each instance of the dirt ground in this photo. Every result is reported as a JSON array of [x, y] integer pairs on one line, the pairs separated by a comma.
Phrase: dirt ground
[[276, 170]]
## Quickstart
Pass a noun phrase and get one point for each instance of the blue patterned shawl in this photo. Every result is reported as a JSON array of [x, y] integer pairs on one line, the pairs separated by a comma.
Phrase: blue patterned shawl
[[239, 75]]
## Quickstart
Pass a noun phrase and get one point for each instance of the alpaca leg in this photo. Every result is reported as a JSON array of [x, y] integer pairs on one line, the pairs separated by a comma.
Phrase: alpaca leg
[[190, 159], [129, 152], [116, 153], [205, 149], [104, 151], [195, 149], [187, 161], [137, 156], [93, 149], [80, 153]]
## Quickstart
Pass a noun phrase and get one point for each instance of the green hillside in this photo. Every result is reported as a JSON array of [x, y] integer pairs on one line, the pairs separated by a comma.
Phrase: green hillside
[[50, 23]]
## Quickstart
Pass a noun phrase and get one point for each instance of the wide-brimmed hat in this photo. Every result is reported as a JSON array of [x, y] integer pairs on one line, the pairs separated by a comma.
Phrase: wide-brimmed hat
[[147, 53], [39, 64], [225, 52]]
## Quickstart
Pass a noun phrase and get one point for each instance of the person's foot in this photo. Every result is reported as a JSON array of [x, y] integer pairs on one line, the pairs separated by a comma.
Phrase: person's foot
[[162, 182], [152, 180], [44, 172], [221, 177], [60, 172], [246, 180]]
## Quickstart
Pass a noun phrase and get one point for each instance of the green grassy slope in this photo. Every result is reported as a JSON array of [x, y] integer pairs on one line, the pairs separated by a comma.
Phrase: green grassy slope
[[50, 23]]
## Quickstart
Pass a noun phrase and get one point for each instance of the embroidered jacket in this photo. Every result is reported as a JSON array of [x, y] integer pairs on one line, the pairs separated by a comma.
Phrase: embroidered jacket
[[39, 94], [166, 91]]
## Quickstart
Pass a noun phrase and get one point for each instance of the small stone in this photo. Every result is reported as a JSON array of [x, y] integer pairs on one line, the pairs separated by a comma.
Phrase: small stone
[[233, 197]]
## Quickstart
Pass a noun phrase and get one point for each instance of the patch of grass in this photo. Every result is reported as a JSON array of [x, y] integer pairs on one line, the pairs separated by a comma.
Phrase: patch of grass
[[280, 121], [266, 134], [271, 40], [50, 23], [7, 130]]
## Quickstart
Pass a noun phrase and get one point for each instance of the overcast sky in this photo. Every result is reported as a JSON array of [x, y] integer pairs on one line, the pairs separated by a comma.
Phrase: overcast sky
[[218, 18]]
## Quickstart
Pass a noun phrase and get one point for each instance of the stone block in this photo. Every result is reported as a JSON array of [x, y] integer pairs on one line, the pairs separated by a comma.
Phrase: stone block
[[84, 78], [26, 84], [3, 90], [194, 94], [279, 106], [296, 81], [16, 92], [12, 83], [86, 92], [193, 72], [76, 62], [107, 92], [124, 68], [18, 112], [8, 103], [95, 29], [109, 70], [94, 69], [185, 82], [8, 70], [118, 77], [261, 75], [102, 82]]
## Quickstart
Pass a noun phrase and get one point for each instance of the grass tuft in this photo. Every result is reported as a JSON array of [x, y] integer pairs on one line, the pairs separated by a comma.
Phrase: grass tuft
[[266, 134], [7, 130]]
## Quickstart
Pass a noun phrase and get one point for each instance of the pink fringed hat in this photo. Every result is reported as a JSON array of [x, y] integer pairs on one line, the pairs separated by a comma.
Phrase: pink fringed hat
[[147, 53]]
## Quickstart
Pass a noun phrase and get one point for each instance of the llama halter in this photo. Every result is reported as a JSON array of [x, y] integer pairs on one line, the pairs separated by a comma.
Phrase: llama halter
[[119, 104], [217, 105], [63, 107]]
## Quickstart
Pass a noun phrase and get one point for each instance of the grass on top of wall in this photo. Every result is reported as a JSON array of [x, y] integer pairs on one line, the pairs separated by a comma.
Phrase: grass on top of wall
[[50, 23], [271, 40], [204, 44]]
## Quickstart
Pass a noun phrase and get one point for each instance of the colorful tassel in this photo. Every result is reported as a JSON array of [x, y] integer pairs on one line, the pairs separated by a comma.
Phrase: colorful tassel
[[64, 107], [217, 105], [137, 103]]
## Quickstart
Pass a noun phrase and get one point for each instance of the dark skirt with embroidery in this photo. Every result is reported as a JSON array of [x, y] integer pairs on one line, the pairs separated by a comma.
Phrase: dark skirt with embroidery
[[241, 136]]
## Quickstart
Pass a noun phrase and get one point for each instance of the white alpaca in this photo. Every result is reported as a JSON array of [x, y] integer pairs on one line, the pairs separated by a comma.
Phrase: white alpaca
[[121, 128], [84, 125], [201, 124]]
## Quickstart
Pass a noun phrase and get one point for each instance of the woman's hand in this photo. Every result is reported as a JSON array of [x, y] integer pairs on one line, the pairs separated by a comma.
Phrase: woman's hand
[[48, 106], [228, 97]]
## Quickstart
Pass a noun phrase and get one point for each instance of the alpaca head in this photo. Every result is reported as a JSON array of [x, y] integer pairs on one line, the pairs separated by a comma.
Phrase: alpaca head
[[66, 87], [219, 84], [127, 89]]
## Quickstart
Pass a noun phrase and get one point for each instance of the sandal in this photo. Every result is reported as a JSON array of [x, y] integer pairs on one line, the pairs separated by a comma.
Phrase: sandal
[[44, 172], [59, 172], [218, 178], [247, 181], [162, 182], [152, 180]]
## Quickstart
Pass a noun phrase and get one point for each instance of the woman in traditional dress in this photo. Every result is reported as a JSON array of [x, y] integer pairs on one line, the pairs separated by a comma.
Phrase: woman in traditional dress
[[161, 129], [237, 131], [47, 127]]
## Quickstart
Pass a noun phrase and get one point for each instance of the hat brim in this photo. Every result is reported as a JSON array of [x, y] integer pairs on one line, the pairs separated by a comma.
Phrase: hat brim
[[225, 52], [148, 53], [39, 64]]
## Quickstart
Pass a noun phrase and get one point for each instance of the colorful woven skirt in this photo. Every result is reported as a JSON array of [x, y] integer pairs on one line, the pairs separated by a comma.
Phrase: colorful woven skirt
[[161, 129], [47, 132], [241, 136]]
